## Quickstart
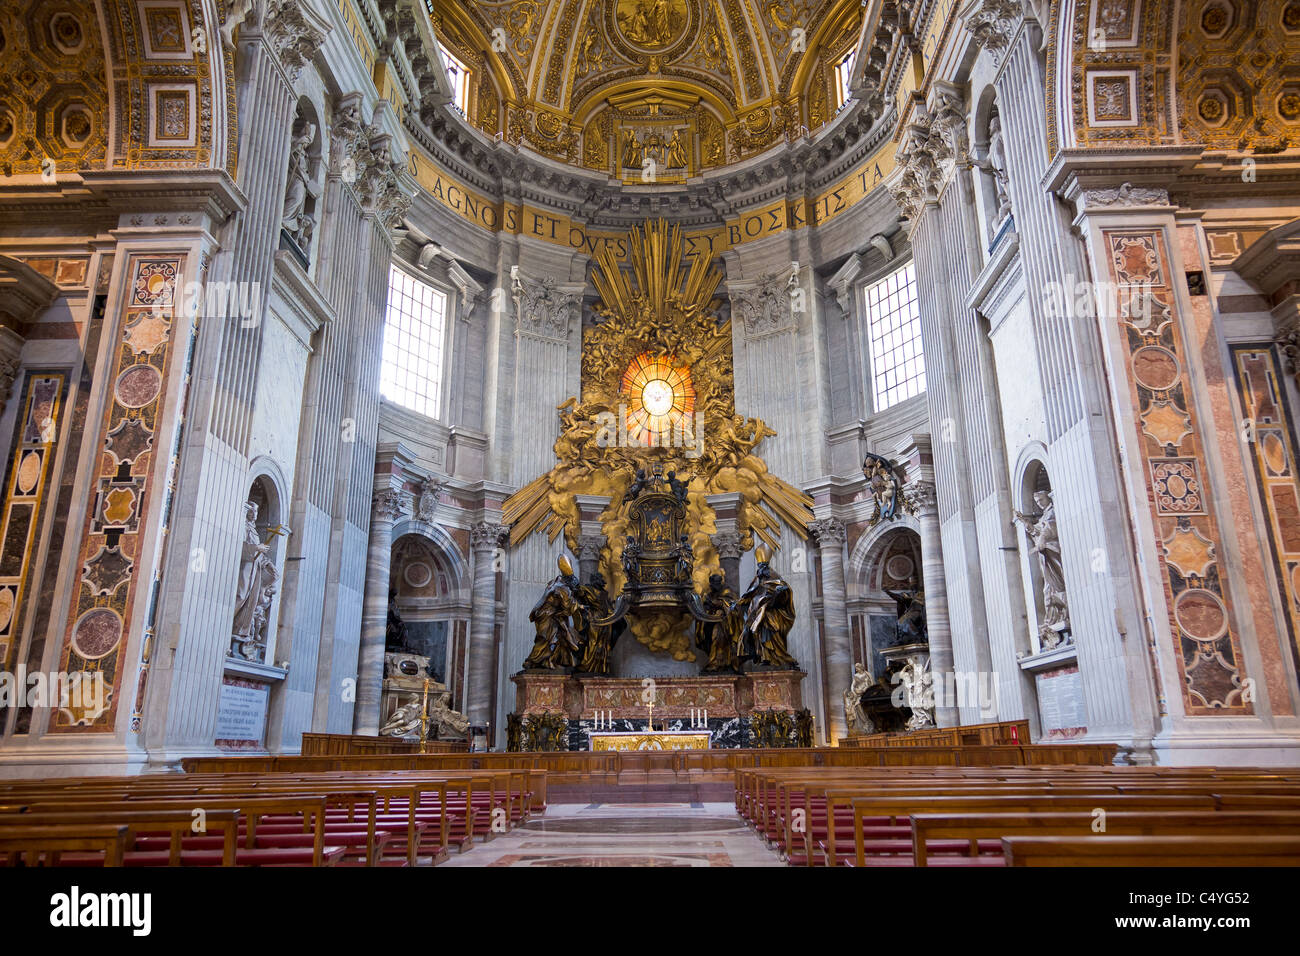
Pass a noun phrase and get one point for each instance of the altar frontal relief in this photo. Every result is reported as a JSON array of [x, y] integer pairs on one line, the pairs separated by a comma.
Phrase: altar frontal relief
[[658, 391]]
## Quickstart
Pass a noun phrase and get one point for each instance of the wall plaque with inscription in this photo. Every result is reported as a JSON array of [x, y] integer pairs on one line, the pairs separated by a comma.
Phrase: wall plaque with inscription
[[241, 714], [1060, 703]]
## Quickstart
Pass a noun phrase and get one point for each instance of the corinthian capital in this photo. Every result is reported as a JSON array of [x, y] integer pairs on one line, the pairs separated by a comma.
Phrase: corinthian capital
[[920, 496], [390, 504], [728, 544], [590, 546], [487, 536], [830, 532], [993, 24], [544, 307], [294, 32]]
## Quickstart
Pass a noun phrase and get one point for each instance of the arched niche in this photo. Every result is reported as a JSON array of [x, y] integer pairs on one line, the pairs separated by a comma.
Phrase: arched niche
[[887, 558], [261, 568], [304, 182], [429, 590], [1045, 601]]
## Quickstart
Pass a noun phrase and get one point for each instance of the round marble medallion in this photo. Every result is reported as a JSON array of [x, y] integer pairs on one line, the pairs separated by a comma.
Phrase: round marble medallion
[[138, 386], [96, 633], [1200, 614]]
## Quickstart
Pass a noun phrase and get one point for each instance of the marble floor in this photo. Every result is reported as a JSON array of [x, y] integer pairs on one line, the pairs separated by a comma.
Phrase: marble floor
[[626, 834]]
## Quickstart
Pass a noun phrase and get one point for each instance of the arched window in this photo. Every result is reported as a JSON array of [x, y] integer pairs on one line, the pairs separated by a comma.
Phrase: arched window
[[458, 73], [843, 77], [414, 333], [894, 330]]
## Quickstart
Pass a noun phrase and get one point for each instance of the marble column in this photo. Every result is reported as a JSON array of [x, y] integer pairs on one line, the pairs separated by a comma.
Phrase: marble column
[[922, 496], [486, 540], [838, 652], [729, 551], [389, 504]]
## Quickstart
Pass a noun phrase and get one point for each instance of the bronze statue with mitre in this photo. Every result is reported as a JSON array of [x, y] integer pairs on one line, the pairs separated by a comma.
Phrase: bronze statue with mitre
[[718, 638], [560, 620], [767, 612]]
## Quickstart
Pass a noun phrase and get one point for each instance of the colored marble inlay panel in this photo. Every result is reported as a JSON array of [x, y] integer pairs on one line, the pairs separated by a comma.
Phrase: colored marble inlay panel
[[1273, 454], [1200, 609], [25, 492], [96, 637]]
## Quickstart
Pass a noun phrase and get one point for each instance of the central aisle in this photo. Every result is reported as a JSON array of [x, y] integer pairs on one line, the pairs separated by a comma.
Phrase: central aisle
[[626, 834]]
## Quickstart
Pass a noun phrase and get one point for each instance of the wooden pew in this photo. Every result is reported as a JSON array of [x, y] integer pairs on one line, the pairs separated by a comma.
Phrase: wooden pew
[[1152, 851], [973, 828], [140, 826], [33, 845]]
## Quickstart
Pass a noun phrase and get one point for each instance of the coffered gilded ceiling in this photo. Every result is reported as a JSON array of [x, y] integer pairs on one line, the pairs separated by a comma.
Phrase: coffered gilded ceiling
[[615, 84]]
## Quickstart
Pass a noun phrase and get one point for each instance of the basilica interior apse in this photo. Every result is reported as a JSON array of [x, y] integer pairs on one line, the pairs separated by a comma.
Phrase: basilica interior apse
[[591, 375]]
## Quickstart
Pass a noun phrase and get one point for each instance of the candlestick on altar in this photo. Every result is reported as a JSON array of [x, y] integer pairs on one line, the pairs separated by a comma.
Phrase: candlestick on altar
[[650, 721]]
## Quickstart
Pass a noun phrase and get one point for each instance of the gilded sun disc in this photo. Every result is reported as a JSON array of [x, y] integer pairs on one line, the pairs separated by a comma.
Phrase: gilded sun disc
[[652, 25]]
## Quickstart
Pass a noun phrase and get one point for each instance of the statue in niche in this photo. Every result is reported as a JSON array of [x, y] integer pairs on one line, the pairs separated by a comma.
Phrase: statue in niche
[[599, 639], [1043, 540], [855, 715], [995, 165], [911, 616], [560, 619], [767, 611], [296, 221], [256, 591], [718, 638]]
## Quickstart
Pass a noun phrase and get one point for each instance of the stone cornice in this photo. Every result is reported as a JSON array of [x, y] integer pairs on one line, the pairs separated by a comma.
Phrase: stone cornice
[[1187, 173], [24, 294], [790, 170], [113, 192]]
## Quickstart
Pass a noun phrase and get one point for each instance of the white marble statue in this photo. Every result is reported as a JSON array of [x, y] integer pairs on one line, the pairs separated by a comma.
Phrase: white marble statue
[[854, 714], [917, 696], [995, 164], [405, 720], [258, 578], [295, 220], [1043, 540]]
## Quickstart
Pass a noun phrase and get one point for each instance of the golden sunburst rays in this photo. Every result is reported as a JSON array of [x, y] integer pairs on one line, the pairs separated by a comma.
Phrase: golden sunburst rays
[[659, 364], [658, 283]]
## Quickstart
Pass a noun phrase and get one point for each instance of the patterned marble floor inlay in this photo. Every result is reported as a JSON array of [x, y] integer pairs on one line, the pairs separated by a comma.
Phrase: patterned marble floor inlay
[[612, 834]]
